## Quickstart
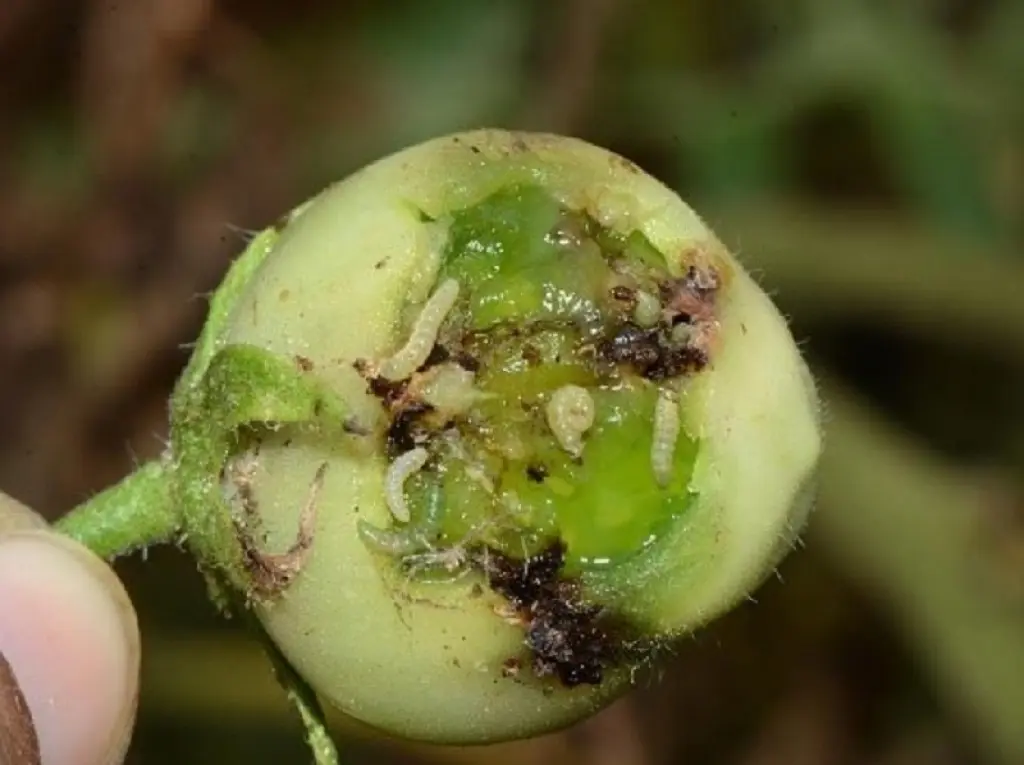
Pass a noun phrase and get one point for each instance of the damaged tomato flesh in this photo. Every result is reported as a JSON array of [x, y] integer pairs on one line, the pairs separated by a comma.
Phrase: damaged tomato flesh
[[544, 419]]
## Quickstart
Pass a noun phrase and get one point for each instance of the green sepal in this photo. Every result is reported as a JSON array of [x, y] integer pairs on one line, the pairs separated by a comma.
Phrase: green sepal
[[222, 305], [225, 299], [246, 385], [243, 386], [302, 698]]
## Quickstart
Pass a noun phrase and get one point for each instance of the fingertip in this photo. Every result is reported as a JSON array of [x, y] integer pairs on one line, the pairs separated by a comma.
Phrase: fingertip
[[14, 516], [69, 633]]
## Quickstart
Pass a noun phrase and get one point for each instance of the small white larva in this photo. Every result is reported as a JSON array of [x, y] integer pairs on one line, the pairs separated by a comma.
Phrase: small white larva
[[570, 414], [648, 309], [398, 473], [409, 539], [411, 356], [450, 389], [666, 433]]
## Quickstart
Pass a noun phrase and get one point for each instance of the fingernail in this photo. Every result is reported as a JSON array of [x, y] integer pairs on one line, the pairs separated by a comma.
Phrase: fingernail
[[19, 744], [69, 632]]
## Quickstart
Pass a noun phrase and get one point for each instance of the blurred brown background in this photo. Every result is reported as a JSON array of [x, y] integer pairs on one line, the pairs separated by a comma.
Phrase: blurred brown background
[[866, 159]]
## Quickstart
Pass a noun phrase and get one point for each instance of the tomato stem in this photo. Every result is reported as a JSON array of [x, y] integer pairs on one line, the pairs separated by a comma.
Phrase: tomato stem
[[136, 513]]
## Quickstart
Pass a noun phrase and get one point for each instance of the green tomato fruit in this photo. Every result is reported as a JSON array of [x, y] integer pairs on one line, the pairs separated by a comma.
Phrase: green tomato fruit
[[578, 430]]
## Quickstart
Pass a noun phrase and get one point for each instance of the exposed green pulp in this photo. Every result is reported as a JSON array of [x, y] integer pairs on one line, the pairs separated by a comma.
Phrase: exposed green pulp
[[605, 507], [536, 297]]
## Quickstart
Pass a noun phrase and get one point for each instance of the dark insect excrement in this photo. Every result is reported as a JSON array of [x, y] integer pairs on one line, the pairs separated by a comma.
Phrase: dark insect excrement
[[567, 638]]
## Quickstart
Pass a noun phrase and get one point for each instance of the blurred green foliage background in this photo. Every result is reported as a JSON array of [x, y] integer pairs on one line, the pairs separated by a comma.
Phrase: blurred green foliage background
[[864, 157]]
